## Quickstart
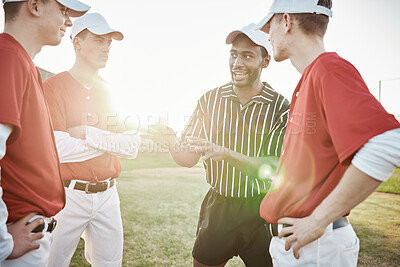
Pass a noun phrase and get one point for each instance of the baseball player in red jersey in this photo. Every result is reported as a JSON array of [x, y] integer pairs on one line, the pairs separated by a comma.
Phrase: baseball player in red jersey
[[340, 143], [89, 142], [30, 175]]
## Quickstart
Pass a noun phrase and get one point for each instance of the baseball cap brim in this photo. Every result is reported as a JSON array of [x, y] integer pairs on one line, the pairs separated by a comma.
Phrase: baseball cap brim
[[264, 21], [101, 30], [257, 37], [75, 8], [293, 7]]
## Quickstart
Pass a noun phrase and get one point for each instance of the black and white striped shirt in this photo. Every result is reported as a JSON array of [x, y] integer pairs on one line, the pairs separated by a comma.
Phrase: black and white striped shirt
[[255, 129]]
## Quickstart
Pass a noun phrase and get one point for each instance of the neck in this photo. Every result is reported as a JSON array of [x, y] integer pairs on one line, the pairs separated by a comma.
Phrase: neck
[[305, 51], [26, 35], [83, 73], [246, 93]]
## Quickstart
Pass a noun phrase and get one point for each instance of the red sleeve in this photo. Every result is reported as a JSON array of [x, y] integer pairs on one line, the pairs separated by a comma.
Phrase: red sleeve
[[12, 84], [52, 92], [353, 115]]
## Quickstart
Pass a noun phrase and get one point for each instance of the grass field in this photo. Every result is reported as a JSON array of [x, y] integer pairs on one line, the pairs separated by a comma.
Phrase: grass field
[[160, 210]]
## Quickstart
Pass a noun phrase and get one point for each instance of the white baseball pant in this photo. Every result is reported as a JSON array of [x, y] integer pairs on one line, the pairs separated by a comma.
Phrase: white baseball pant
[[95, 217], [338, 247]]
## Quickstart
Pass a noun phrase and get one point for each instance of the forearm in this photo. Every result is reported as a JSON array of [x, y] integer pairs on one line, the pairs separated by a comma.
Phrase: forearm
[[72, 149], [260, 167], [354, 187], [125, 145]]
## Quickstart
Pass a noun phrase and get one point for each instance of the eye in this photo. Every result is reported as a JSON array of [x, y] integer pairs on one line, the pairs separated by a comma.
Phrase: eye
[[64, 11], [233, 55], [248, 56]]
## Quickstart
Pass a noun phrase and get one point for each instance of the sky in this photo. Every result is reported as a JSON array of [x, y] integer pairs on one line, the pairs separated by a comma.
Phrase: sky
[[174, 51]]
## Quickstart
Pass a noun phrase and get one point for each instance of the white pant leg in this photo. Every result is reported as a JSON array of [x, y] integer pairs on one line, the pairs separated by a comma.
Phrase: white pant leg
[[34, 258], [335, 248], [104, 235], [71, 222]]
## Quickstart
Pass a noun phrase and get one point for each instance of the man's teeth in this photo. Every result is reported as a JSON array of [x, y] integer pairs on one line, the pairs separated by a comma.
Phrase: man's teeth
[[240, 74]]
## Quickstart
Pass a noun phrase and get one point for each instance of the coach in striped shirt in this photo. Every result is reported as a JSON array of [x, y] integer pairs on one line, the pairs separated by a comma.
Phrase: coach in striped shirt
[[238, 128]]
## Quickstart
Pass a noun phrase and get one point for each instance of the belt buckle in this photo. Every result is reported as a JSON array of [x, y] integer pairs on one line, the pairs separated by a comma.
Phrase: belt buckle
[[87, 189], [51, 225]]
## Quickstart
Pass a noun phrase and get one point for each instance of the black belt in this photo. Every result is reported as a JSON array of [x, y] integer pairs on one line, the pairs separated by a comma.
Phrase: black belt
[[341, 222], [91, 188], [50, 226]]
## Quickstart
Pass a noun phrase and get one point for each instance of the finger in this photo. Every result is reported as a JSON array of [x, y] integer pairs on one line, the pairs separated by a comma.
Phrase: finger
[[296, 249], [37, 236], [32, 225], [26, 219], [196, 141], [34, 246], [207, 156], [289, 242], [285, 231], [287, 220]]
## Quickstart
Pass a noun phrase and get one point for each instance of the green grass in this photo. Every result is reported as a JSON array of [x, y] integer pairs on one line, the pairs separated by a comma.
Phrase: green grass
[[392, 185], [377, 224], [160, 210]]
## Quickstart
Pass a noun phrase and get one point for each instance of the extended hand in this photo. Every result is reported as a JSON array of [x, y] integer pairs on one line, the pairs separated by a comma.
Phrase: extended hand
[[303, 231], [161, 135], [23, 237], [207, 149]]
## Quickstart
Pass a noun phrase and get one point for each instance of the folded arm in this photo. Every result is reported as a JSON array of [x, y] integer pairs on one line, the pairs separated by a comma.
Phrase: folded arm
[[92, 139]]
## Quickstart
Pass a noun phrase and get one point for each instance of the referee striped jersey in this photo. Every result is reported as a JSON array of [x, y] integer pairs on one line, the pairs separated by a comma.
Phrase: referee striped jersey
[[255, 129]]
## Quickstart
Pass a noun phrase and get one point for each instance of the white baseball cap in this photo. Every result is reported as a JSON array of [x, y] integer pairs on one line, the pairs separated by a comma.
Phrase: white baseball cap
[[294, 6], [96, 24], [258, 37], [75, 8]]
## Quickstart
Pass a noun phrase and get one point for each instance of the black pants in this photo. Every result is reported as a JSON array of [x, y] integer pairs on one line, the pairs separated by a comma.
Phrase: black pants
[[229, 227]]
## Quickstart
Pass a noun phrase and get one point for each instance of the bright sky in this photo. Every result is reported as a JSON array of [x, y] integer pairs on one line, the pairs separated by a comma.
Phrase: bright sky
[[174, 51]]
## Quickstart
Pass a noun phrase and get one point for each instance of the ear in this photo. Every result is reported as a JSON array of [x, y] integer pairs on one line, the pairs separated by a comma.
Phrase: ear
[[287, 22], [35, 7], [77, 43], [265, 62]]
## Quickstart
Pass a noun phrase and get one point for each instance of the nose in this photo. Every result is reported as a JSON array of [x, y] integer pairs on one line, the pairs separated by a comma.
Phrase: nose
[[238, 61], [68, 21]]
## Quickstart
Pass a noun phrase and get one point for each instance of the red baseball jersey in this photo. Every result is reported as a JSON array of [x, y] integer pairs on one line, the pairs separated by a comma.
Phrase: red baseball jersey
[[30, 173], [332, 114]]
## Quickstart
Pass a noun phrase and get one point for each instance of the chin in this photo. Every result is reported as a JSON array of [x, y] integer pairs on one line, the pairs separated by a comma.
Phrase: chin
[[239, 84], [278, 58], [54, 43]]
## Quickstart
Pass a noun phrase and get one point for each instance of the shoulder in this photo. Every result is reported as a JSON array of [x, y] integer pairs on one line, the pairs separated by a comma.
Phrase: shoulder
[[216, 92], [56, 84], [278, 98], [332, 65], [8, 45], [12, 53]]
